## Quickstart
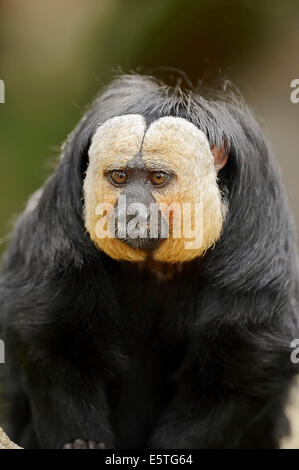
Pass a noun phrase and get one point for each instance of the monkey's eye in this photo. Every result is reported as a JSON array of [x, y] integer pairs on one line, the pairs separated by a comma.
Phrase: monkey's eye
[[118, 177], [158, 178]]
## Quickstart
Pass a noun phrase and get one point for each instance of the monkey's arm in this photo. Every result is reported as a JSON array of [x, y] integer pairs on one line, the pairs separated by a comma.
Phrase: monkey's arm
[[56, 336], [68, 409], [233, 397]]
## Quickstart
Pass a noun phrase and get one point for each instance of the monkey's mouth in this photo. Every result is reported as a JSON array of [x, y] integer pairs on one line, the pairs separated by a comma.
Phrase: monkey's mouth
[[140, 234], [140, 241], [144, 244]]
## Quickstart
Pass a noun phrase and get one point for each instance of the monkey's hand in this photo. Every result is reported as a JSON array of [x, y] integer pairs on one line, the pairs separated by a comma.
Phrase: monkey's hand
[[81, 444]]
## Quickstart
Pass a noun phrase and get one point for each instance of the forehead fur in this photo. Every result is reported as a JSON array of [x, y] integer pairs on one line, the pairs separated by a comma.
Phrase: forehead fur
[[179, 133], [179, 143], [175, 140], [118, 139]]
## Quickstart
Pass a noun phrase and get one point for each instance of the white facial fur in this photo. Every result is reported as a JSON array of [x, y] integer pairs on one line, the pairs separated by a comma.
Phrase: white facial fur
[[113, 145], [169, 142], [186, 151]]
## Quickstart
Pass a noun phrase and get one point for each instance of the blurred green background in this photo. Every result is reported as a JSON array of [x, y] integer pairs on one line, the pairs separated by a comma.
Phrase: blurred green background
[[55, 55]]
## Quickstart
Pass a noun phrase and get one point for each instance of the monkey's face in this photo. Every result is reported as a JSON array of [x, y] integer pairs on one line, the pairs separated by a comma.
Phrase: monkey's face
[[153, 190]]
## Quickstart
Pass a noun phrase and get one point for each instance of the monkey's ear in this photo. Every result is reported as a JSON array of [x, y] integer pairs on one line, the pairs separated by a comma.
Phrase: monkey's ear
[[220, 155]]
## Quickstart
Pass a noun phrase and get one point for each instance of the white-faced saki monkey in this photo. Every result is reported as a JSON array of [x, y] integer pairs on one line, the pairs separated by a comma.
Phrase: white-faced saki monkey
[[149, 292]]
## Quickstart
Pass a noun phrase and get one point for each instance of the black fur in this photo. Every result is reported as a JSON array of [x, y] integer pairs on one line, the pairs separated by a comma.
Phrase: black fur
[[104, 351]]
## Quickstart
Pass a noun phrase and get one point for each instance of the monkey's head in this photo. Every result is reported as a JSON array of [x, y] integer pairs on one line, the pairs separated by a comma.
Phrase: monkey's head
[[151, 189]]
